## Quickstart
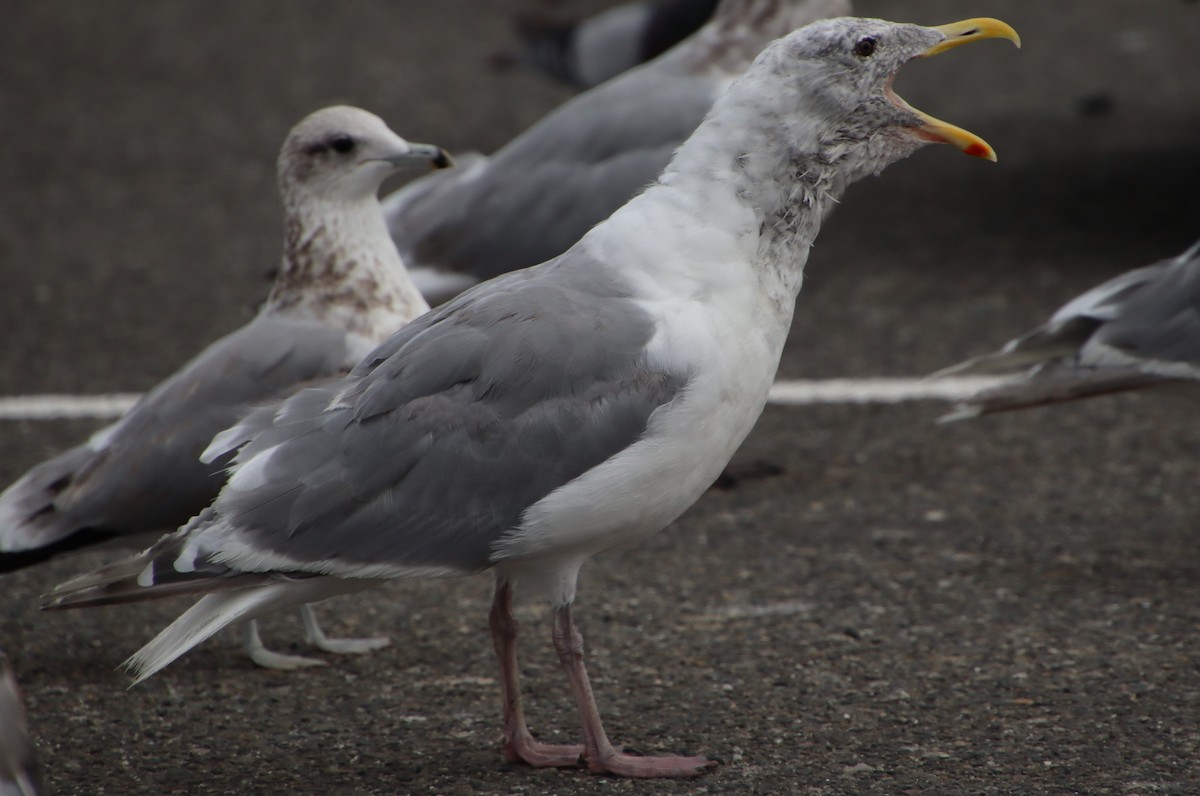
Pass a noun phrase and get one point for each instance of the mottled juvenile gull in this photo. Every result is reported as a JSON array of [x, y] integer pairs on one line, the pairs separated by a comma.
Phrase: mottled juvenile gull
[[565, 409], [20, 774], [542, 191], [340, 291], [589, 51], [1139, 329]]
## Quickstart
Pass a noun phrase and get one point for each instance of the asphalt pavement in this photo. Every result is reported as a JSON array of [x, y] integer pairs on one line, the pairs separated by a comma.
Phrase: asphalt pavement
[[1006, 606]]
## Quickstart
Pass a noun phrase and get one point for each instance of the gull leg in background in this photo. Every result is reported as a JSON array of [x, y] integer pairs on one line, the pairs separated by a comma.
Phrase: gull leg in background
[[338, 646], [314, 636], [261, 656]]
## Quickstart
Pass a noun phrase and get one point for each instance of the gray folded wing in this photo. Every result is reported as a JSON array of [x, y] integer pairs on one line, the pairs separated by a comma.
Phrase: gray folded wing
[[436, 444], [142, 473], [535, 197], [1069, 330], [1159, 325]]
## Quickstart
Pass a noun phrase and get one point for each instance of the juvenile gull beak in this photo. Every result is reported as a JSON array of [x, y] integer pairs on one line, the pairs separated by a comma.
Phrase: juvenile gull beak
[[422, 153], [958, 33]]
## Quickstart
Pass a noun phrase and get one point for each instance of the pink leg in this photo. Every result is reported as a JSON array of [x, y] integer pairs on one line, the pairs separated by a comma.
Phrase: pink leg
[[602, 757], [519, 744]]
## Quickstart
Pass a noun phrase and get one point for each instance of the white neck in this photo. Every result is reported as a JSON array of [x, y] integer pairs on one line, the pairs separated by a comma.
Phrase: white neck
[[765, 188], [341, 268]]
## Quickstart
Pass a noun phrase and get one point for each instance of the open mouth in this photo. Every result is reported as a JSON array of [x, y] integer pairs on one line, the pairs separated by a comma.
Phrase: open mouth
[[932, 129]]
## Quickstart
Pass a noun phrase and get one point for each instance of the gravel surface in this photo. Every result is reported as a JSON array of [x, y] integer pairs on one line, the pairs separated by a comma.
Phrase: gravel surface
[[1006, 607]]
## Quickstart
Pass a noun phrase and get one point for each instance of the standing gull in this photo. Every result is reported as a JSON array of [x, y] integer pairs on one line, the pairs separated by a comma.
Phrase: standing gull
[[541, 192], [341, 290], [562, 410], [1139, 329]]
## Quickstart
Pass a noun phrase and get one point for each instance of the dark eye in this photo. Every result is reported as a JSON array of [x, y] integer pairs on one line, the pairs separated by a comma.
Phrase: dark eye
[[343, 143], [865, 47]]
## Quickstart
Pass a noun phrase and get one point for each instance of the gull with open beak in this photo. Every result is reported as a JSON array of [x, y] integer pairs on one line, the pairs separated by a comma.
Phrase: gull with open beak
[[557, 412]]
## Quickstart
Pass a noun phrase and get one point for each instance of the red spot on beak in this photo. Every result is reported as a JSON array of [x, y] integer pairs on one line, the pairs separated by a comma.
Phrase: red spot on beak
[[978, 150]]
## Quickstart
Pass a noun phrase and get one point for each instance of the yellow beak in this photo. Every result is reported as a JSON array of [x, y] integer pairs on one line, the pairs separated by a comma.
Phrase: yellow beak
[[970, 30], [958, 33]]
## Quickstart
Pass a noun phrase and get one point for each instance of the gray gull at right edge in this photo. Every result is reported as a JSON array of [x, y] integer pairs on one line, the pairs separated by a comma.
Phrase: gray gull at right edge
[[1139, 329]]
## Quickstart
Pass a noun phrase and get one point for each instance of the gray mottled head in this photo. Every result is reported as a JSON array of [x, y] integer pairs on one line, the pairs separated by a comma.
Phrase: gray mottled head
[[344, 153], [845, 67]]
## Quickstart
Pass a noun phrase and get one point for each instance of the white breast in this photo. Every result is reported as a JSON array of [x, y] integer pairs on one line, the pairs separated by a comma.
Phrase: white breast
[[713, 321]]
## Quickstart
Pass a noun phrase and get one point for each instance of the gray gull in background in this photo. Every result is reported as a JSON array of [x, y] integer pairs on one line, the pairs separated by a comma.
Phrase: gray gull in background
[[341, 290], [565, 409], [589, 51], [1139, 329], [542, 191], [20, 774]]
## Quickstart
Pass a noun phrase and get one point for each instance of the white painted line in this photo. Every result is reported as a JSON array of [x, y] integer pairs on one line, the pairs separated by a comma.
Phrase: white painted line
[[784, 393], [729, 613], [879, 391], [59, 407]]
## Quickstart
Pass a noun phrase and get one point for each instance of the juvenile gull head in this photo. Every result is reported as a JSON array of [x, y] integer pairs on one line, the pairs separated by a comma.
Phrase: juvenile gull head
[[338, 267], [562, 410]]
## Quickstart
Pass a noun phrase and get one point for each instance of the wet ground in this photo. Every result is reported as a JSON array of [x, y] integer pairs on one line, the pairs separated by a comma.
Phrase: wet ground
[[1007, 606]]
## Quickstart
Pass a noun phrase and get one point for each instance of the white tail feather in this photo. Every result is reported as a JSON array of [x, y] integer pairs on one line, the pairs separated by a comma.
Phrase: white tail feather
[[216, 611]]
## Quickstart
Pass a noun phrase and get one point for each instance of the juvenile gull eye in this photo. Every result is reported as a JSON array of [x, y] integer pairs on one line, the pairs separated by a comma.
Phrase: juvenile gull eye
[[342, 143], [865, 47]]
